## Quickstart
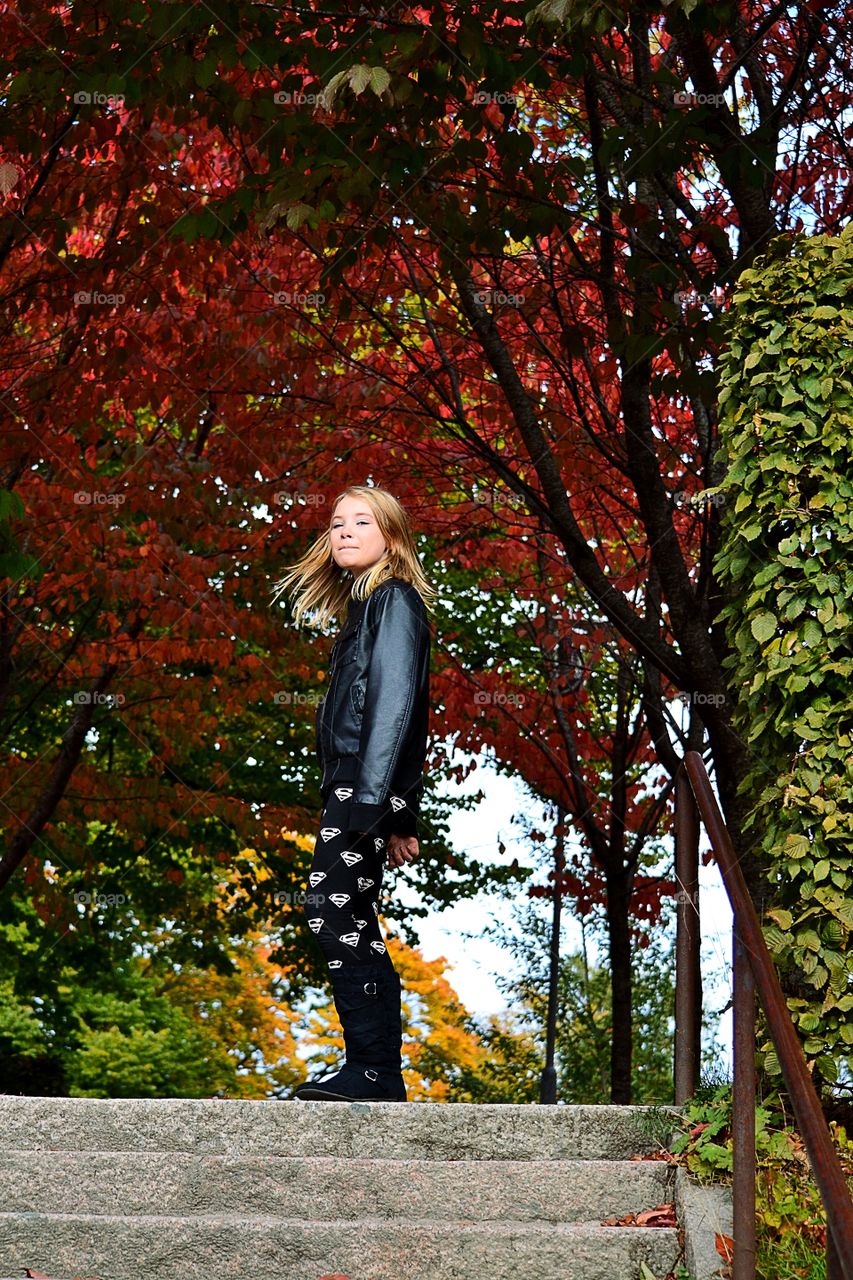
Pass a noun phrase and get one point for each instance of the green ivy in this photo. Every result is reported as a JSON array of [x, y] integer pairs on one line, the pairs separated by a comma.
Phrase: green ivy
[[790, 1218], [786, 430], [705, 1140]]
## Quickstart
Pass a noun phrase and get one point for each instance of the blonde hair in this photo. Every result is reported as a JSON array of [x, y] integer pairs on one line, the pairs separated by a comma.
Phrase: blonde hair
[[323, 588]]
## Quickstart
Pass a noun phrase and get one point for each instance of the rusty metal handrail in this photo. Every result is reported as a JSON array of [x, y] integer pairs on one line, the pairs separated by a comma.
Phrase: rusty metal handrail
[[753, 967]]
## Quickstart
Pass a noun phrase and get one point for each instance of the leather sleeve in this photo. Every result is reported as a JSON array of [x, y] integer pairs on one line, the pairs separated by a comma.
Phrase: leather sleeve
[[317, 751], [399, 651]]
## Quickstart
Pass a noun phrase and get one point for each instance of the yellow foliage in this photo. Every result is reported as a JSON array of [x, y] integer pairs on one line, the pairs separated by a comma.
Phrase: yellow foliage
[[241, 1013], [249, 1022], [298, 838]]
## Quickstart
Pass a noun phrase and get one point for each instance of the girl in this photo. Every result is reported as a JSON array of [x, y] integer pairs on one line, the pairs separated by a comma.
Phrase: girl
[[371, 731]]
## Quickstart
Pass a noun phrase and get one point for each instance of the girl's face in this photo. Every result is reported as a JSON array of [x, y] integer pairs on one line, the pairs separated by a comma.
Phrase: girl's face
[[356, 541]]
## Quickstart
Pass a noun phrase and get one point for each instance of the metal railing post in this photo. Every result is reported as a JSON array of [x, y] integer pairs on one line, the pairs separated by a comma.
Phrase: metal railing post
[[548, 1081], [833, 1262], [743, 1111], [688, 937], [811, 1122]]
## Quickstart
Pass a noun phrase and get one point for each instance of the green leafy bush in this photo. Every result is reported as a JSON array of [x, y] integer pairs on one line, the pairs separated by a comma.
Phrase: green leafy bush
[[790, 1221], [786, 568]]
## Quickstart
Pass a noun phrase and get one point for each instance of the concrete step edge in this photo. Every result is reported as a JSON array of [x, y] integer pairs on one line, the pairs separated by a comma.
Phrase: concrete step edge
[[436, 1130], [495, 1164], [321, 1188], [269, 1249], [496, 1226]]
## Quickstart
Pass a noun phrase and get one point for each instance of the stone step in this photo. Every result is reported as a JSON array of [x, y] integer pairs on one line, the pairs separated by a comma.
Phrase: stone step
[[215, 1189], [349, 1130], [232, 1247], [328, 1187]]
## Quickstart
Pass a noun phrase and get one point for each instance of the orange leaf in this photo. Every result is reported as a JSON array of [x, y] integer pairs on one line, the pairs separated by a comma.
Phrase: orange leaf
[[725, 1246], [662, 1216]]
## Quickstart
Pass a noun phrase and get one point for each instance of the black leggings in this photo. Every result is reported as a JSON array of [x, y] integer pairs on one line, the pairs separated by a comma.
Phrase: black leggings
[[341, 897]]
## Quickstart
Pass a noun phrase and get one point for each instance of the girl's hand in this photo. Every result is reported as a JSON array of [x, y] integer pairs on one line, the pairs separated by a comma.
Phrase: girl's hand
[[401, 849]]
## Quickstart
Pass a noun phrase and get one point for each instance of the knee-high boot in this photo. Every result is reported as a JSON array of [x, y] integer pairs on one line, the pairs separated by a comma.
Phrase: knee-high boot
[[367, 998], [392, 998]]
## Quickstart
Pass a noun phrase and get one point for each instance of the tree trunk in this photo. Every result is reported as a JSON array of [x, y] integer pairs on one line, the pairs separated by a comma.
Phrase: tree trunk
[[621, 1046], [68, 756]]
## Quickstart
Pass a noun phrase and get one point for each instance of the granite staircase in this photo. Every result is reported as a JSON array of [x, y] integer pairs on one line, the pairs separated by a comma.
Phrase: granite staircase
[[218, 1189]]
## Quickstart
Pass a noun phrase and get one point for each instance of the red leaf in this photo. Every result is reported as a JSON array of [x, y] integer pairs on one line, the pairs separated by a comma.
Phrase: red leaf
[[725, 1246], [662, 1216]]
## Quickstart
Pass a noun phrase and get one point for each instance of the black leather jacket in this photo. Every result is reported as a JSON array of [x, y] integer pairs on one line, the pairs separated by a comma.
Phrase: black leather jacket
[[372, 724]]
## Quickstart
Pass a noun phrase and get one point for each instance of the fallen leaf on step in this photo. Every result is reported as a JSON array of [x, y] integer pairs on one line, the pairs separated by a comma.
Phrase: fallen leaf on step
[[29, 1274], [725, 1246], [663, 1154], [662, 1216]]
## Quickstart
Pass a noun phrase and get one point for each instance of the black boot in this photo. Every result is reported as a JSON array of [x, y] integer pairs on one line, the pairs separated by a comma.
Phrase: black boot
[[367, 998], [392, 1000]]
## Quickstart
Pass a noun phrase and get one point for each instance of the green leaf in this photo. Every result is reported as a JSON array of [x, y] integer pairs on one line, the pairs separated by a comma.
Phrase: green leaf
[[813, 634], [772, 1065], [379, 80], [297, 214], [797, 846], [330, 92], [763, 627], [19, 87], [844, 912], [359, 78], [776, 940], [205, 72], [11, 504]]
